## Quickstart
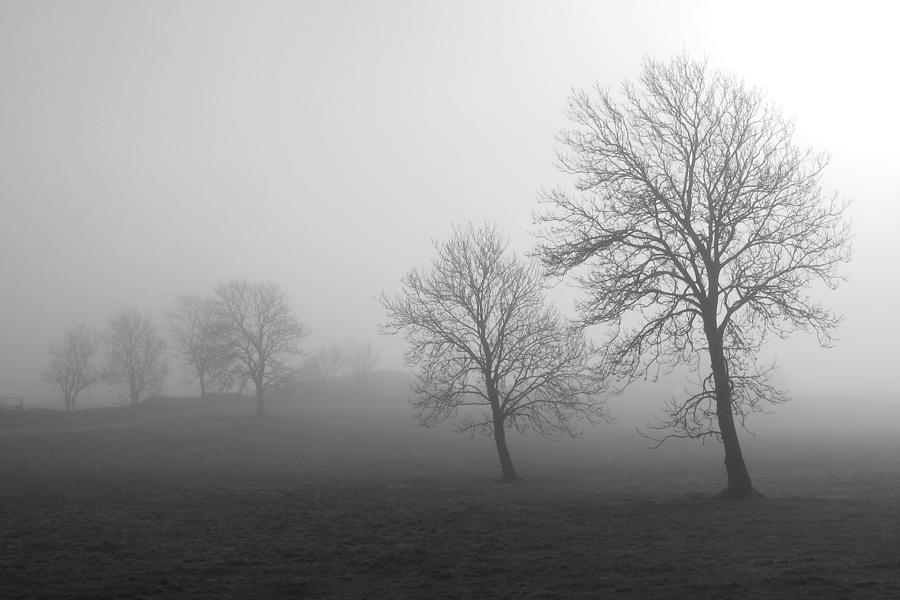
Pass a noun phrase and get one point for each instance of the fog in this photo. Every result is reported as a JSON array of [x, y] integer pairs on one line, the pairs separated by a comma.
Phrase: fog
[[155, 149]]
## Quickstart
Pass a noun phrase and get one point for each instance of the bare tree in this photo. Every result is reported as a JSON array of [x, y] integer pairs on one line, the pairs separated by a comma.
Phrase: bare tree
[[361, 359], [702, 226], [482, 335], [326, 362], [136, 360], [71, 367], [261, 334], [198, 332]]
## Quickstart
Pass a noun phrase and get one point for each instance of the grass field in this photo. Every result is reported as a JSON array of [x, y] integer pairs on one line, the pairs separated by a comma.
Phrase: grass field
[[328, 499]]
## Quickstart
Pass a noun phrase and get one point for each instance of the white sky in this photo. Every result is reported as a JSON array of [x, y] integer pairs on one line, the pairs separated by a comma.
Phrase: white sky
[[150, 149]]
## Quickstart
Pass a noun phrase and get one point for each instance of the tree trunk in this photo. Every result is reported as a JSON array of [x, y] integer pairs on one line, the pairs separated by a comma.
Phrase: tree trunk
[[260, 399], [506, 465], [202, 388], [499, 422], [739, 484]]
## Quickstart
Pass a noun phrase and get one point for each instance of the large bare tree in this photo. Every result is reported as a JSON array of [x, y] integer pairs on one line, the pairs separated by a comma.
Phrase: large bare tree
[[701, 226], [198, 332], [483, 337], [136, 355], [261, 335], [71, 367]]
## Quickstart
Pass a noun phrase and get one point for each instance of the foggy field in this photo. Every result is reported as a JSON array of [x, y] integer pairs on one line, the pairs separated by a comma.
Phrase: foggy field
[[328, 498], [515, 216]]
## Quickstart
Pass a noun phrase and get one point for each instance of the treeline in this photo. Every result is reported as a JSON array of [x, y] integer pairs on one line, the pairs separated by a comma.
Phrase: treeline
[[243, 336]]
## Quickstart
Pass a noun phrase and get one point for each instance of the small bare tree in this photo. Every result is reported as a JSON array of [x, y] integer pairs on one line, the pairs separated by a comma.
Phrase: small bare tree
[[136, 355], [198, 333], [482, 335], [260, 335], [325, 363], [71, 367], [361, 359], [702, 226]]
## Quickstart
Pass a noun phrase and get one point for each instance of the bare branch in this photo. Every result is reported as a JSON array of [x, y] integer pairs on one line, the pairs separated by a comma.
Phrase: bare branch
[[481, 334], [71, 367], [697, 228], [136, 360], [260, 334], [198, 332]]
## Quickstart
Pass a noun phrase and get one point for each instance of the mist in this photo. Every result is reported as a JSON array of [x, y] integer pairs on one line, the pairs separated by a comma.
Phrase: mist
[[150, 151], [161, 149]]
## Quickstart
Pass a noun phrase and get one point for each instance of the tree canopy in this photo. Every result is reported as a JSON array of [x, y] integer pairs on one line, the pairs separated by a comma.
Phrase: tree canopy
[[697, 229], [71, 368], [136, 355], [260, 335], [483, 337]]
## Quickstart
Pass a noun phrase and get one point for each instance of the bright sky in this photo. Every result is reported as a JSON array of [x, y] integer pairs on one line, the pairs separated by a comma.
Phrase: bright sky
[[152, 149]]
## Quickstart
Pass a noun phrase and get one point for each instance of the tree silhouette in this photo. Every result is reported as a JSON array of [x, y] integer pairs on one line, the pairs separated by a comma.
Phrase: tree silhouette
[[137, 359], [482, 335], [700, 226], [71, 367], [198, 333], [260, 334]]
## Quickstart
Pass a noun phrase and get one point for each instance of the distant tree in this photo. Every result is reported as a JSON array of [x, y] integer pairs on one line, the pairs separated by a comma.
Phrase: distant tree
[[198, 332], [702, 226], [136, 355], [71, 367], [361, 359], [261, 334], [326, 362], [482, 335]]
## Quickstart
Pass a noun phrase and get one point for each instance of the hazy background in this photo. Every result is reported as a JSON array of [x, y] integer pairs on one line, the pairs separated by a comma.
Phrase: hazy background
[[156, 148]]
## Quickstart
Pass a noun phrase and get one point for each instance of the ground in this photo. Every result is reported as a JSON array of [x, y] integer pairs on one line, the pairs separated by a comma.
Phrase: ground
[[184, 500]]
